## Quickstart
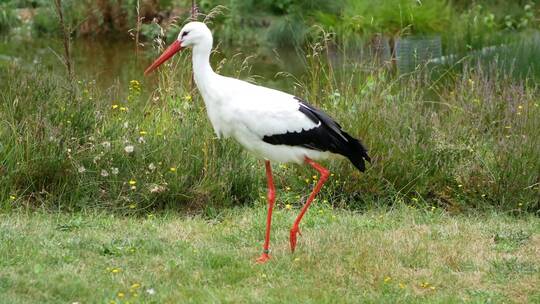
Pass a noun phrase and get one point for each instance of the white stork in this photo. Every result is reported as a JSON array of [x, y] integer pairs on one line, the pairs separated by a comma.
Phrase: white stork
[[274, 125]]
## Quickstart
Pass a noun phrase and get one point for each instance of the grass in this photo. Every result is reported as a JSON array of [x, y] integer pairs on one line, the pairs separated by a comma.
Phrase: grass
[[396, 255], [462, 140]]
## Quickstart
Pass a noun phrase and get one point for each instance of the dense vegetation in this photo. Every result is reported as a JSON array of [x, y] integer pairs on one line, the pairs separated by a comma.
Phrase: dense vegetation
[[468, 139], [463, 24], [455, 136]]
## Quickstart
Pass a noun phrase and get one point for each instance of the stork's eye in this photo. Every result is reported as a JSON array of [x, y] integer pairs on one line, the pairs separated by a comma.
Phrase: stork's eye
[[184, 34]]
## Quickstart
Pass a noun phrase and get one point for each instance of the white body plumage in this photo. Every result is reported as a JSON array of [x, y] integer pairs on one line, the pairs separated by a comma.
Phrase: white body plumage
[[247, 112]]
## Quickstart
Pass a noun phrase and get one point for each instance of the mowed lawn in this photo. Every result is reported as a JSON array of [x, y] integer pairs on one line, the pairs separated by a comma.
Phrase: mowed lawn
[[398, 255]]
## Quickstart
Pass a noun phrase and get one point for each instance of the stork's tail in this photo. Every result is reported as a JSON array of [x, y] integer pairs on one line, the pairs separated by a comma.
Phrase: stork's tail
[[357, 153]]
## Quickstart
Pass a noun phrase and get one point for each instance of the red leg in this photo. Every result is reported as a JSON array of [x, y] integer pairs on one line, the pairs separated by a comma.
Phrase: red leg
[[324, 176], [271, 199]]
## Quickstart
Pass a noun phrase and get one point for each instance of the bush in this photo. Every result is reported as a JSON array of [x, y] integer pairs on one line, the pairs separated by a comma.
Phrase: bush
[[45, 22]]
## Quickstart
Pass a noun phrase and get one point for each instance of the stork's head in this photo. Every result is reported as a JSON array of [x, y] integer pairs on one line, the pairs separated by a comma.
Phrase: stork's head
[[193, 34]]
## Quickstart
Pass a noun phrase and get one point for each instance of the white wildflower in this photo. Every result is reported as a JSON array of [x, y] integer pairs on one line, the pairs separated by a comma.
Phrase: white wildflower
[[81, 169], [104, 173], [106, 145], [157, 189], [114, 170], [151, 291], [152, 167], [129, 148]]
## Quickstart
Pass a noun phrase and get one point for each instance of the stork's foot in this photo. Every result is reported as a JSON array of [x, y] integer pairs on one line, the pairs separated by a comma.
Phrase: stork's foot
[[294, 231], [263, 258]]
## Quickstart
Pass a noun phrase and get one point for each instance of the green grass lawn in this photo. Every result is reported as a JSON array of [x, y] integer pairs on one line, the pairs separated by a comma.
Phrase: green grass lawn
[[400, 255]]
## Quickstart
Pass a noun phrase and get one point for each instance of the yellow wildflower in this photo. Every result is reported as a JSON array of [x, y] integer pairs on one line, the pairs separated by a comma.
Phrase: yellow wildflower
[[143, 132], [135, 285], [288, 207], [123, 109], [297, 259], [520, 107], [12, 197], [132, 206], [172, 169], [288, 188], [132, 182], [387, 279], [114, 106], [116, 270], [120, 294], [315, 177], [401, 285], [187, 97]]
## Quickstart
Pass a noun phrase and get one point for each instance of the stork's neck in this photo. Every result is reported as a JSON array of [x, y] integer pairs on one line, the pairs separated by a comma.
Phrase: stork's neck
[[202, 70]]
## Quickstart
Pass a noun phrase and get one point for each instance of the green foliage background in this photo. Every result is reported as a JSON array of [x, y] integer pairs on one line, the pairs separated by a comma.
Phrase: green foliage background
[[457, 137]]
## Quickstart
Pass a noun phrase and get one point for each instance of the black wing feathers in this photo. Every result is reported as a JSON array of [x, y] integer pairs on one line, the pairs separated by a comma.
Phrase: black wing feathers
[[327, 136]]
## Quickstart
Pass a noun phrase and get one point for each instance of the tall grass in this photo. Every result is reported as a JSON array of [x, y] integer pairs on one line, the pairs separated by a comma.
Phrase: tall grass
[[458, 141], [8, 17]]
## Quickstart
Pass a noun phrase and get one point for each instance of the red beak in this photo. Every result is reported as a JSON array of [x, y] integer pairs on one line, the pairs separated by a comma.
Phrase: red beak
[[174, 48]]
